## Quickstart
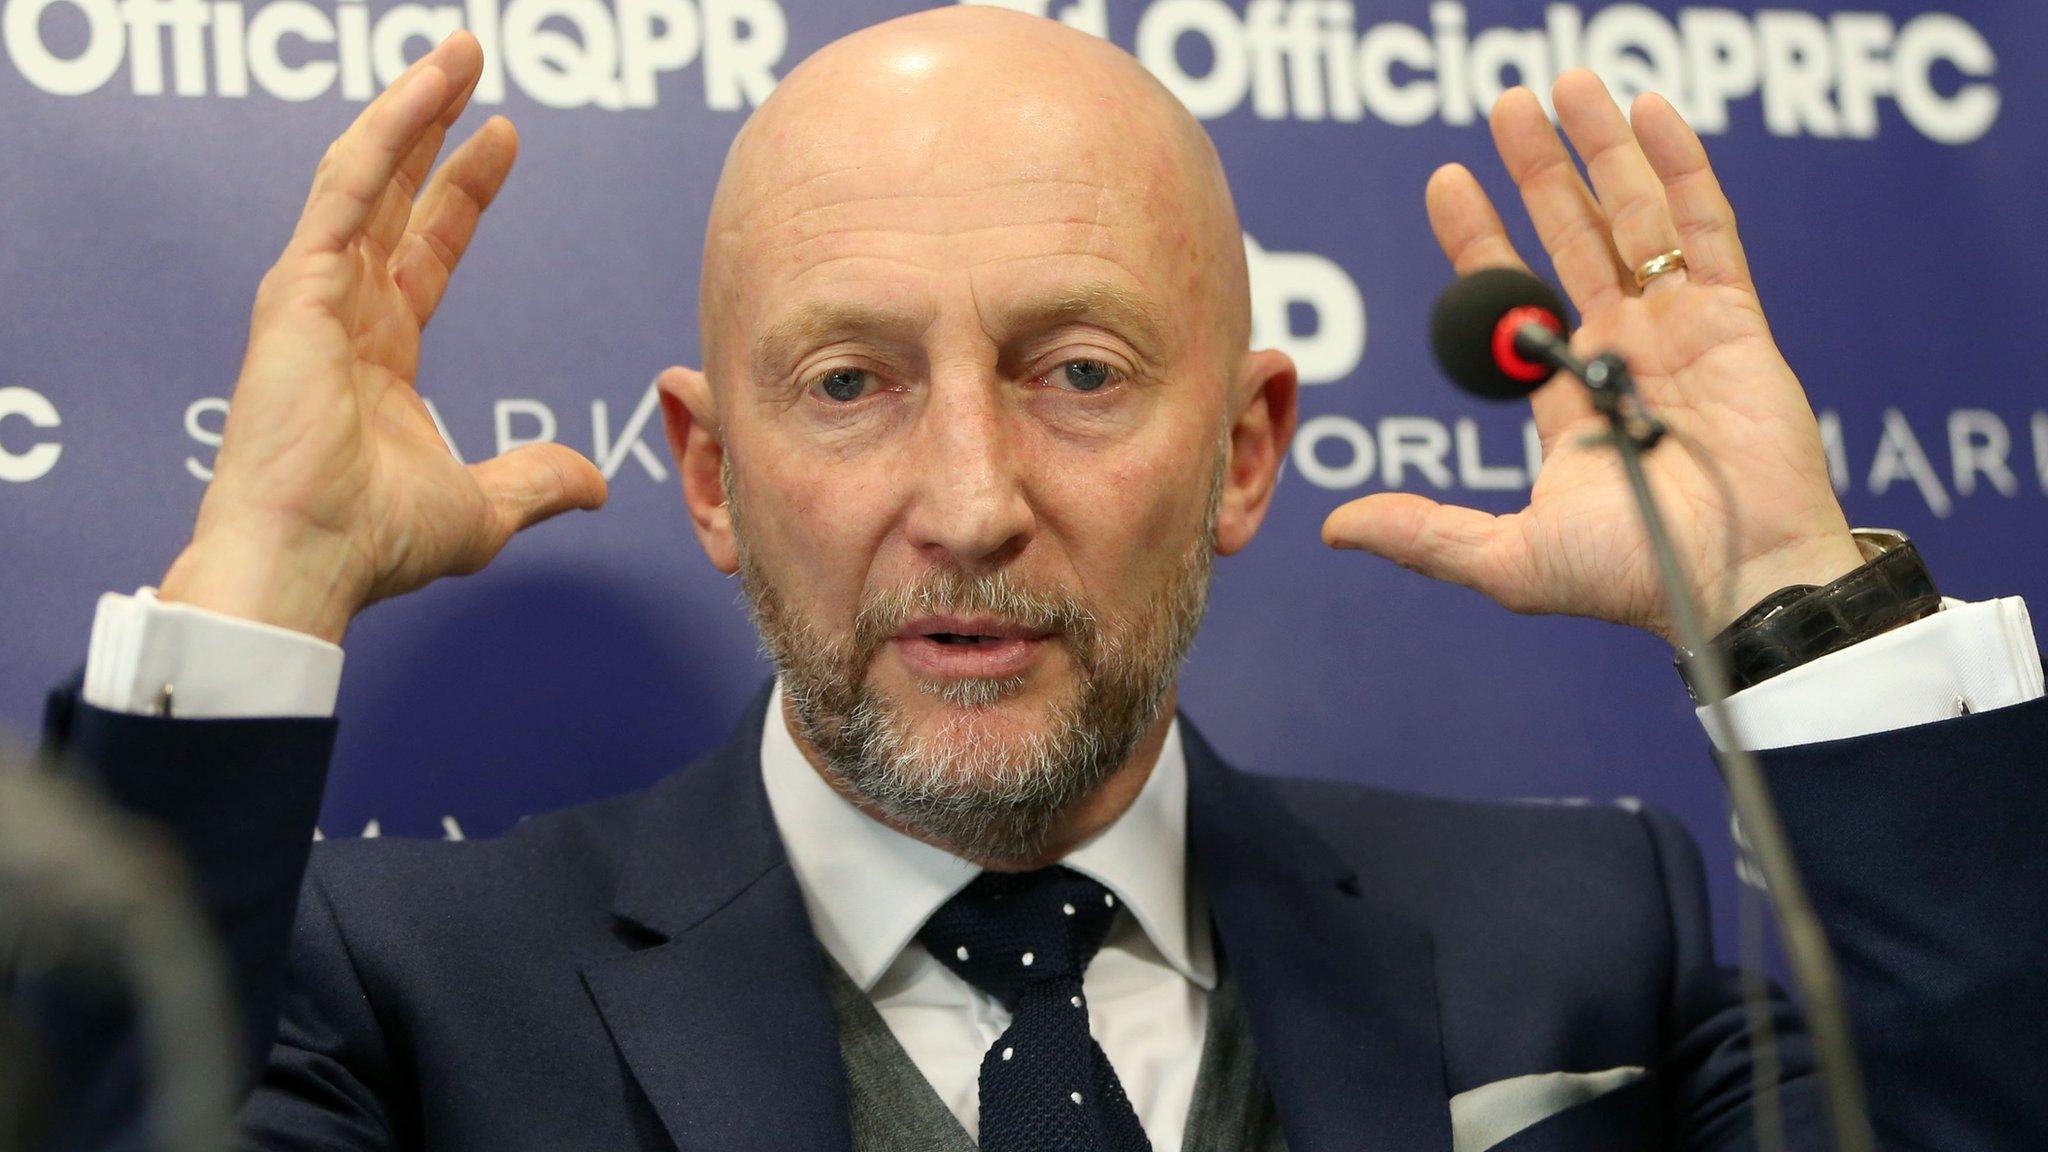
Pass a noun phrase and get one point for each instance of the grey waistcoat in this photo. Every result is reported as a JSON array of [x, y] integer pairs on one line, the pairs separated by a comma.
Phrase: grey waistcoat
[[895, 1110]]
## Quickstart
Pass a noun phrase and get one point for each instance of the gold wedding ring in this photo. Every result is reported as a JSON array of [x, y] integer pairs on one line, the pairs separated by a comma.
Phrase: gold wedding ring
[[1656, 266]]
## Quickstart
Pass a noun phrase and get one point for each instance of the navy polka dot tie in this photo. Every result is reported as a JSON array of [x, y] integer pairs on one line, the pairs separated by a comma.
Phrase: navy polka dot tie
[[1025, 938]]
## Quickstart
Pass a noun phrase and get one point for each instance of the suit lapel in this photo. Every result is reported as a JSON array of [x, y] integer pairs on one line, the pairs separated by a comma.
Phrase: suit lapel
[[722, 1013], [1339, 988]]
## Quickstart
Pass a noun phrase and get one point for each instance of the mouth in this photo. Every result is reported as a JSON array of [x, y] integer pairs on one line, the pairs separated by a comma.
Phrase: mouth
[[949, 647]]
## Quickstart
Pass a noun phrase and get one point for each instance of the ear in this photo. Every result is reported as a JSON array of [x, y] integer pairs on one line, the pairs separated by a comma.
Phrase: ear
[[689, 414], [1259, 437]]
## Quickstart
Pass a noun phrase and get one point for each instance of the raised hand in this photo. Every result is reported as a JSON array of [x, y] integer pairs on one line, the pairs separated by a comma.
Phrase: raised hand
[[1701, 354], [332, 489]]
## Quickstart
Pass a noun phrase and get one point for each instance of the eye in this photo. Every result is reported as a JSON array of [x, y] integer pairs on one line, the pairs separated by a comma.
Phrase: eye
[[844, 385], [1082, 375]]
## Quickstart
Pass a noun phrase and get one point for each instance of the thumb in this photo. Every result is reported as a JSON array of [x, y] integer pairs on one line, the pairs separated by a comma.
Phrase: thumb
[[531, 483], [1442, 541]]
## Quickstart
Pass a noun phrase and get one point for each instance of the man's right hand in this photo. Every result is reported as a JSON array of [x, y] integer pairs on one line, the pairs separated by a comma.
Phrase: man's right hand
[[333, 489]]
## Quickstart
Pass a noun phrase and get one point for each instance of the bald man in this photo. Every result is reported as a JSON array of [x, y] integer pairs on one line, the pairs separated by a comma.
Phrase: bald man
[[976, 414]]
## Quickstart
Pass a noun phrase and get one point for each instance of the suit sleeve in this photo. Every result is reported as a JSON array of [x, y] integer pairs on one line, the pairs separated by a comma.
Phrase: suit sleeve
[[240, 797], [1706, 1074], [328, 1078], [1925, 852]]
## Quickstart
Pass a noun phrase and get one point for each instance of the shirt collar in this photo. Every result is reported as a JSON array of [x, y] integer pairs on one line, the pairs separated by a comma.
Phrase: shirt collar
[[869, 888]]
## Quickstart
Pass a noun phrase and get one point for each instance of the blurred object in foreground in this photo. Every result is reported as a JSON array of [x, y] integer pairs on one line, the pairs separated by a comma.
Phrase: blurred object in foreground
[[92, 896]]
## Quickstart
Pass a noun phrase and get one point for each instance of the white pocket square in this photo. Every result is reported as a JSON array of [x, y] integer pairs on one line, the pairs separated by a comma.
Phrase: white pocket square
[[1484, 1116]]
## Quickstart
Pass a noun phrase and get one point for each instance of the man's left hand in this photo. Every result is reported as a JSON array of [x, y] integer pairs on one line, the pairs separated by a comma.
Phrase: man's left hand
[[1701, 353]]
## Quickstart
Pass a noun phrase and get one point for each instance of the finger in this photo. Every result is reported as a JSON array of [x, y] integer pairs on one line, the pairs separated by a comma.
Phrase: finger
[[1472, 236], [358, 166], [1442, 541], [1630, 194], [528, 485], [388, 222], [412, 172], [447, 214], [1568, 220], [1467, 227], [1700, 211]]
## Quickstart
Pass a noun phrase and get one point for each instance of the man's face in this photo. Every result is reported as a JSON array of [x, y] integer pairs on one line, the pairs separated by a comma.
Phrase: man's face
[[973, 391]]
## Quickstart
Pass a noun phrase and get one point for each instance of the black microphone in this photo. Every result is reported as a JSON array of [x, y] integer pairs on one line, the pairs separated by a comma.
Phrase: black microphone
[[1499, 333]]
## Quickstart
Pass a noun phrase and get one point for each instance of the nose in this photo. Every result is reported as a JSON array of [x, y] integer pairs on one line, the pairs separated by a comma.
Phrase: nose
[[970, 508]]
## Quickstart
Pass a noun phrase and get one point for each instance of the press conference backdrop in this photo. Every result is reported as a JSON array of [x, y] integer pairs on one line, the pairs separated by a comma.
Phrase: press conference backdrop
[[1887, 160]]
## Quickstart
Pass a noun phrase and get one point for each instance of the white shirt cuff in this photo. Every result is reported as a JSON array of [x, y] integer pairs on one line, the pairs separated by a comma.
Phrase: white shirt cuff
[[1965, 658], [214, 666]]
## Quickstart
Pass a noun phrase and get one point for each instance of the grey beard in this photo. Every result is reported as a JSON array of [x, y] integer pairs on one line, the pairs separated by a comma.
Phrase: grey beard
[[984, 799]]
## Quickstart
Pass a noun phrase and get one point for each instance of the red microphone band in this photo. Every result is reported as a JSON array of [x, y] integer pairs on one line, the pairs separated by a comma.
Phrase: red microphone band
[[1504, 355]]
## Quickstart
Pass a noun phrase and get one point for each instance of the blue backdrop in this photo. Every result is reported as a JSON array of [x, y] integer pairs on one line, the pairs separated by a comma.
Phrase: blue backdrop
[[1886, 163]]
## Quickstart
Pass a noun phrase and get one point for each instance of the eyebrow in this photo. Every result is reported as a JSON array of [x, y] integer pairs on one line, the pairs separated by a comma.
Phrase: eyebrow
[[1109, 305], [788, 337]]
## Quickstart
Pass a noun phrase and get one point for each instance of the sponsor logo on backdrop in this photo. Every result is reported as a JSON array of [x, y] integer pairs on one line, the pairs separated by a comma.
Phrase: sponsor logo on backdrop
[[1814, 73], [1825, 74], [560, 53], [31, 456], [1968, 453], [1306, 305]]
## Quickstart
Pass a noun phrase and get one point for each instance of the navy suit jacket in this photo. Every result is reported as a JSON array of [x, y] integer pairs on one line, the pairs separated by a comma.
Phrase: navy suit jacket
[[640, 972]]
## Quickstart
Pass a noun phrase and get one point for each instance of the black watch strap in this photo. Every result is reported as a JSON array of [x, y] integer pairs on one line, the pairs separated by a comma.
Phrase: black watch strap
[[1804, 622]]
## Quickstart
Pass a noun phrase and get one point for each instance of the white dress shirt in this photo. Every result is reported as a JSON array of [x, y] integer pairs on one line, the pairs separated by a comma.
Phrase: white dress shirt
[[1967, 658], [1964, 658], [869, 888]]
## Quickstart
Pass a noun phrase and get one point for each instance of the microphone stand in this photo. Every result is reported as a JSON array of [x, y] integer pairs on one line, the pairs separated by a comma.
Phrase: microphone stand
[[1633, 430]]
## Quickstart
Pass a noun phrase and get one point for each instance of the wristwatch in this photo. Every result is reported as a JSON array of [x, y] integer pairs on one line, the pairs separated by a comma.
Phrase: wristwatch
[[1804, 622]]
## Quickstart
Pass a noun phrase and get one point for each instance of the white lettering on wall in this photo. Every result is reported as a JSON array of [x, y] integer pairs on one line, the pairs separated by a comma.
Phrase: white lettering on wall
[[607, 54], [1978, 443], [505, 412], [610, 455], [1343, 453], [1819, 74], [207, 437], [1351, 462], [1899, 456], [34, 463], [1330, 348], [1978, 452]]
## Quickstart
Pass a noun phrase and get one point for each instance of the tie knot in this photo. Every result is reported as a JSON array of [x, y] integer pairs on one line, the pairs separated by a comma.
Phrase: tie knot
[[1007, 931]]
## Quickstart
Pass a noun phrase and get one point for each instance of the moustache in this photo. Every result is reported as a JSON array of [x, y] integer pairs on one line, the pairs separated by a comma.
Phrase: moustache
[[996, 596]]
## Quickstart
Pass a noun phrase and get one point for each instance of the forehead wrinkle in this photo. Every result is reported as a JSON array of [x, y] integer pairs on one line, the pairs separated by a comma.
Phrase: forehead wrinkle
[[999, 204], [763, 199], [815, 253], [924, 191], [811, 267], [1100, 228]]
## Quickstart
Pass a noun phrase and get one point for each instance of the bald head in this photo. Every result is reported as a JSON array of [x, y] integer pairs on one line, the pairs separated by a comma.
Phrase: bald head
[[970, 138]]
